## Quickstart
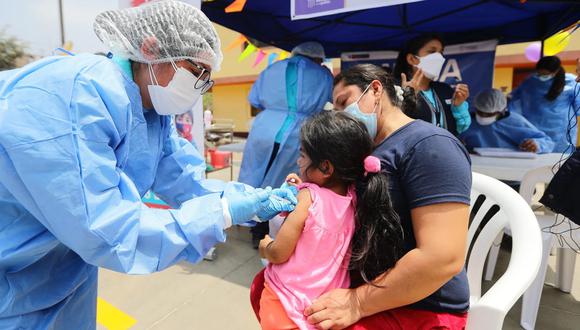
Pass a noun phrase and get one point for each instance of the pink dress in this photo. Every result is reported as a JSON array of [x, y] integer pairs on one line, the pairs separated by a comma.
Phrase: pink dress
[[320, 260]]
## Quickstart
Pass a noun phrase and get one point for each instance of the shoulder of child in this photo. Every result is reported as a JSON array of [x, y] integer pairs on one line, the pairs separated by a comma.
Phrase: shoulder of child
[[304, 198]]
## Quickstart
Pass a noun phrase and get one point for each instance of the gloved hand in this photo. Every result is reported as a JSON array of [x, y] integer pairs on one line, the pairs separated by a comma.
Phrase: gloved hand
[[244, 201], [280, 200], [290, 187]]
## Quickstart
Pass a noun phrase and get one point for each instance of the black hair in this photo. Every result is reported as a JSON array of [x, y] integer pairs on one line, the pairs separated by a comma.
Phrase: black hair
[[553, 64], [412, 47], [344, 141], [362, 75]]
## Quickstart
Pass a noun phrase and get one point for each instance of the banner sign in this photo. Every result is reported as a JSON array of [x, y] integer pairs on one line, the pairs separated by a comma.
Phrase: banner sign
[[301, 9]]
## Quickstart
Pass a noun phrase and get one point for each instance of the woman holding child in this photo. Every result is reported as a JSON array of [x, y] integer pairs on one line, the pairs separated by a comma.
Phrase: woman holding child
[[429, 183]]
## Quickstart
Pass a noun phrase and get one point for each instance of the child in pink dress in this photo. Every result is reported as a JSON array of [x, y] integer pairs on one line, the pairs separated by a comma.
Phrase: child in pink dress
[[312, 251]]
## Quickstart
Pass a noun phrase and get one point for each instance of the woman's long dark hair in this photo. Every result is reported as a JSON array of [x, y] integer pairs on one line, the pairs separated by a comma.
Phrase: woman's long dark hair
[[412, 47], [553, 65], [344, 141]]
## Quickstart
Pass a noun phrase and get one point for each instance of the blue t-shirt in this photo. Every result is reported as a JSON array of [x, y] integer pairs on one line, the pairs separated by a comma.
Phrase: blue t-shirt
[[427, 165]]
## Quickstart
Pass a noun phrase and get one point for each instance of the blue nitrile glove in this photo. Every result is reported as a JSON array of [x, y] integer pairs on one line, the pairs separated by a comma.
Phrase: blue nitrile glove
[[281, 200], [293, 189], [244, 201]]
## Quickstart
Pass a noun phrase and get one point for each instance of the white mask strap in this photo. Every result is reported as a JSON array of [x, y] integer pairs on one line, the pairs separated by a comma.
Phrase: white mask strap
[[152, 75], [173, 65], [363, 93]]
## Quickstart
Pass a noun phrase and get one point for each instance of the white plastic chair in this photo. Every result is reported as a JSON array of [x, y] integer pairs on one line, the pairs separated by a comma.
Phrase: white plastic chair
[[495, 206], [566, 257]]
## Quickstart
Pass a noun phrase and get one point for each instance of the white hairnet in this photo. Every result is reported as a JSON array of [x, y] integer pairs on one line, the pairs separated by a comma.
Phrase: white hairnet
[[310, 48], [490, 100], [160, 31]]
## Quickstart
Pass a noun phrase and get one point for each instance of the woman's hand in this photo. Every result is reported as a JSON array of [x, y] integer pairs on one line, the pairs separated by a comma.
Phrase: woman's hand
[[336, 309], [529, 145], [414, 83], [460, 95], [293, 180]]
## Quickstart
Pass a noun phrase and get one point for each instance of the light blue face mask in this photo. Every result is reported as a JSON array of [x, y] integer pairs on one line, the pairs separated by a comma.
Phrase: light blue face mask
[[544, 77], [369, 119]]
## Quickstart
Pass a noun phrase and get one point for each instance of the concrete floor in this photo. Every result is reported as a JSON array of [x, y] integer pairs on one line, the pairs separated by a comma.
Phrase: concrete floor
[[215, 294]]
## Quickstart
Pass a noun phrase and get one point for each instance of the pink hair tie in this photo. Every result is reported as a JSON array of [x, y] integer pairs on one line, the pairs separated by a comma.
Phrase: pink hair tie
[[372, 165]]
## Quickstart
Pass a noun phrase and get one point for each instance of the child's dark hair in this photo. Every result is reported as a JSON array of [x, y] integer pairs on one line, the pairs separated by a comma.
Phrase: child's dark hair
[[362, 75], [412, 47], [554, 65], [344, 141]]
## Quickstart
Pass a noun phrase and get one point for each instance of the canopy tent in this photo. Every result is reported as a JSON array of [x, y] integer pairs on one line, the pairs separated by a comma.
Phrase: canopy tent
[[388, 28]]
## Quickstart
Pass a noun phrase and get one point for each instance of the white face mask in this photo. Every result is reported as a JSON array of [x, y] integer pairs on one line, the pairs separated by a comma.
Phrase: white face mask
[[178, 97], [545, 77], [485, 121], [431, 65]]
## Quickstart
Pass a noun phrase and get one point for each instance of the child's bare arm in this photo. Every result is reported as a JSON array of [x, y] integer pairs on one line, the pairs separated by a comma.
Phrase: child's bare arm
[[279, 251]]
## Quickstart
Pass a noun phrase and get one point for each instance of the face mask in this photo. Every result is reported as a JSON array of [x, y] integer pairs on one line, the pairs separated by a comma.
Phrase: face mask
[[178, 97], [485, 121], [544, 77], [369, 119], [185, 128], [431, 65]]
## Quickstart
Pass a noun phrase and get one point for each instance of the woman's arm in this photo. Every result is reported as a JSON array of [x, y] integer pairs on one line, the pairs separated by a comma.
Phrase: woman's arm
[[279, 250], [440, 231]]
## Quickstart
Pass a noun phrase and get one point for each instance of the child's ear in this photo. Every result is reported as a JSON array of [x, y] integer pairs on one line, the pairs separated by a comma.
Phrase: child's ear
[[327, 169]]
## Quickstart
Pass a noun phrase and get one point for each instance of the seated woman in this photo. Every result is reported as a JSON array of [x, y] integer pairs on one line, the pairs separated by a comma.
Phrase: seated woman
[[549, 100], [495, 127], [430, 183]]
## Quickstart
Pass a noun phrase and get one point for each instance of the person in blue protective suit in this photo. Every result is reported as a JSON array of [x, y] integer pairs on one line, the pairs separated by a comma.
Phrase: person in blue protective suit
[[288, 92], [82, 139], [495, 127], [437, 102], [547, 100]]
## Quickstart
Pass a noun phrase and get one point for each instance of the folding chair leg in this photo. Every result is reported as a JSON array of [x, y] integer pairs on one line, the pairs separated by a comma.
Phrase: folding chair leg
[[492, 257], [565, 264], [532, 296]]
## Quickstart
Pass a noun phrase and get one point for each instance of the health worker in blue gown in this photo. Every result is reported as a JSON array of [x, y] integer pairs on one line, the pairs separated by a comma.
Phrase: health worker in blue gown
[[288, 92], [550, 100], [82, 139], [495, 127]]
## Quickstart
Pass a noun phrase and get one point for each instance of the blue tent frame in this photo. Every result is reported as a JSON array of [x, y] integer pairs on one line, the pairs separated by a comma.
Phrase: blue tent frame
[[388, 28]]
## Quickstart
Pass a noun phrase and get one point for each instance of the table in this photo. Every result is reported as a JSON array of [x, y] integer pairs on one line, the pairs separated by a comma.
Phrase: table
[[233, 147], [511, 169]]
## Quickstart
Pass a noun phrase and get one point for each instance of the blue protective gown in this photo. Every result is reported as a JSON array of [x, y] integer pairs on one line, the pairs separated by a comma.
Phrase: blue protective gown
[[288, 92], [508, 132], [551, 117], [77, 153]]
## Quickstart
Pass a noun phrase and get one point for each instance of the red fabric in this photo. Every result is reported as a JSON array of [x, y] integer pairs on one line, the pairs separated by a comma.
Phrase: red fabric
[[396, 319], [407, 318]]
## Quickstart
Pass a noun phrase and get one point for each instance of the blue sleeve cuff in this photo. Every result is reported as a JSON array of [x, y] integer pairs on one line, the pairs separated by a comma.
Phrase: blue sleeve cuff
[[462, 116]]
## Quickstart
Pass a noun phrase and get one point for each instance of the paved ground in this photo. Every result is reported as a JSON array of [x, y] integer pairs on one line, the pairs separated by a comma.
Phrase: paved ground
[[214, 294]]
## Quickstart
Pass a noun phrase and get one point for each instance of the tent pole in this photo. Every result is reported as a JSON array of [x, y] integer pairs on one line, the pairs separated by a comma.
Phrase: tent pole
[[61, 21]]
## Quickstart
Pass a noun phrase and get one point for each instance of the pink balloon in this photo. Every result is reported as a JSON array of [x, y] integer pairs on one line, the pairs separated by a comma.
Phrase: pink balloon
[[533, 52]]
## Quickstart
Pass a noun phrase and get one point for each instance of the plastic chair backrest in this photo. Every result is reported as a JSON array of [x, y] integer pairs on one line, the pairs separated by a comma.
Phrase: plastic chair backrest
[[532, 178], [494, 205]]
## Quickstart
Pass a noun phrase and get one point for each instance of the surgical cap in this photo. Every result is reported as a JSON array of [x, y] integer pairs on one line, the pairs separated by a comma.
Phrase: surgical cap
[[490, 100], [311, 49], [160, 31]]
